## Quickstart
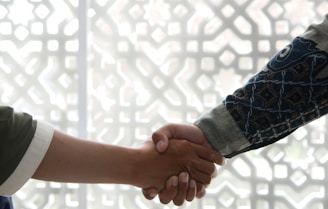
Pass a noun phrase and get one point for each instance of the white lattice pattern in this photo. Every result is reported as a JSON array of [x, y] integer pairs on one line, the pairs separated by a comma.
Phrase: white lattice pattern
[[151, 62]]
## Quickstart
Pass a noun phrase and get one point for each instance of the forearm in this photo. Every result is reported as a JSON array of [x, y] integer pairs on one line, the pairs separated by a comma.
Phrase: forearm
[[74, 160], [69, 159], [289, 92]]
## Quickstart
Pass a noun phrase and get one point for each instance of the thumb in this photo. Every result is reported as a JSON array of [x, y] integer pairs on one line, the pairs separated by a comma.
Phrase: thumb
[[191, 133], [161, 139]]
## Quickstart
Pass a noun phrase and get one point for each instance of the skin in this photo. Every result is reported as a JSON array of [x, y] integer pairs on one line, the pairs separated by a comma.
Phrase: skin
[[181, 190], [70, 159]]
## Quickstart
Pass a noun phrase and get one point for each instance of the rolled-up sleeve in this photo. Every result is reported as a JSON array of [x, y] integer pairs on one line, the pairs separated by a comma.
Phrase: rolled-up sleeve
[[23, 144]]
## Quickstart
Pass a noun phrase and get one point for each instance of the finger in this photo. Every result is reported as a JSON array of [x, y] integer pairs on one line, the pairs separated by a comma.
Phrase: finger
[[201, 170], [161, 138], [200, 191], [199, 176], [170, 190], [181, 131], [205, 167], [149, 193], [191, 193], [192, 133], [182, 189], [209, 154], [189, 132], [200, 187]]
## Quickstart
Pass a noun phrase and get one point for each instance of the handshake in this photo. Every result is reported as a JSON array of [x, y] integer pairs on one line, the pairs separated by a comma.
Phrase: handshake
[[177, 165]]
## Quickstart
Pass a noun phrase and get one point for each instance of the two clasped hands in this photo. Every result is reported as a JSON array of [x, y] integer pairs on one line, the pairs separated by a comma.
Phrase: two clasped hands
[[195, 157]]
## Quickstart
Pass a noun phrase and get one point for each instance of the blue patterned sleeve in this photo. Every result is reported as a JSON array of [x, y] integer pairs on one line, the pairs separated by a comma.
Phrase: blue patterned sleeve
[[289, 92]]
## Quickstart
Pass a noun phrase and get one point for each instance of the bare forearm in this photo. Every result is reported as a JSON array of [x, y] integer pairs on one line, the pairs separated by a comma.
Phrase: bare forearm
[[73, 160]]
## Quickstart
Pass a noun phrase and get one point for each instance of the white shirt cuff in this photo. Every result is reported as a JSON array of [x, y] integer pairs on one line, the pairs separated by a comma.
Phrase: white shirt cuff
[[30, 161]]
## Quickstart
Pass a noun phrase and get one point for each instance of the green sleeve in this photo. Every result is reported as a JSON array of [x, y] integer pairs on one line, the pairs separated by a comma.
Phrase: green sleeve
[[16, 133]]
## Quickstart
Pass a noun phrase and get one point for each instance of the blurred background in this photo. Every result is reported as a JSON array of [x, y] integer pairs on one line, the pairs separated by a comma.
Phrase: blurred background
[[114, 71]]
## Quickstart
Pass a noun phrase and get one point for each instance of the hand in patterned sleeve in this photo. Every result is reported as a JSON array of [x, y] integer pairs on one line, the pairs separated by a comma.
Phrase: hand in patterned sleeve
[[289, 92]]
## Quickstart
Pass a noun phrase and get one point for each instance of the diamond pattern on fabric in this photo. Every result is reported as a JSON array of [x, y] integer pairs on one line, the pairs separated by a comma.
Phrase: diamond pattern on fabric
[[286, 95]]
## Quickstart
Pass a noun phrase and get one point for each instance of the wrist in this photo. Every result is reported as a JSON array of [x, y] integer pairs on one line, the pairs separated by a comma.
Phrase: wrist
[[138, 168], [119, 165], [133, 169]]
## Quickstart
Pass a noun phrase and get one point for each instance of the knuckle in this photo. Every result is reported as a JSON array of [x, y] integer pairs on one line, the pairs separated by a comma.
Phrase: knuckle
[[207, 180], [189, 164], [155, 135], [213, 156]]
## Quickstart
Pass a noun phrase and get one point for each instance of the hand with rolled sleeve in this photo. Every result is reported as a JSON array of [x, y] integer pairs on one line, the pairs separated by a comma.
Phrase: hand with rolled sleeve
[[289, 92], [33, 149]]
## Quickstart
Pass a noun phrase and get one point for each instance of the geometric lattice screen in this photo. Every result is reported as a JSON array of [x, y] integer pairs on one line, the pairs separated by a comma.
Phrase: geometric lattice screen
[[116, 70]]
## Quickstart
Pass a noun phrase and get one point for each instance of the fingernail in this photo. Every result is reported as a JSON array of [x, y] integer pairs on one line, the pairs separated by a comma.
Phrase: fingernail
[[185, 178], [159, 145], [174, 182], [152, 194], [192, 184]]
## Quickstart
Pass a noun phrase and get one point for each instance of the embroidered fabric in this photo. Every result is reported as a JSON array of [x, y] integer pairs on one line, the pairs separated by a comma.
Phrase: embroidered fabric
[[290, 92]]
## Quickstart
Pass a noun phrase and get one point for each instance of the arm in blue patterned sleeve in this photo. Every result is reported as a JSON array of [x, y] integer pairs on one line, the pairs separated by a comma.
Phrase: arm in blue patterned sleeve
[[289, 92]]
